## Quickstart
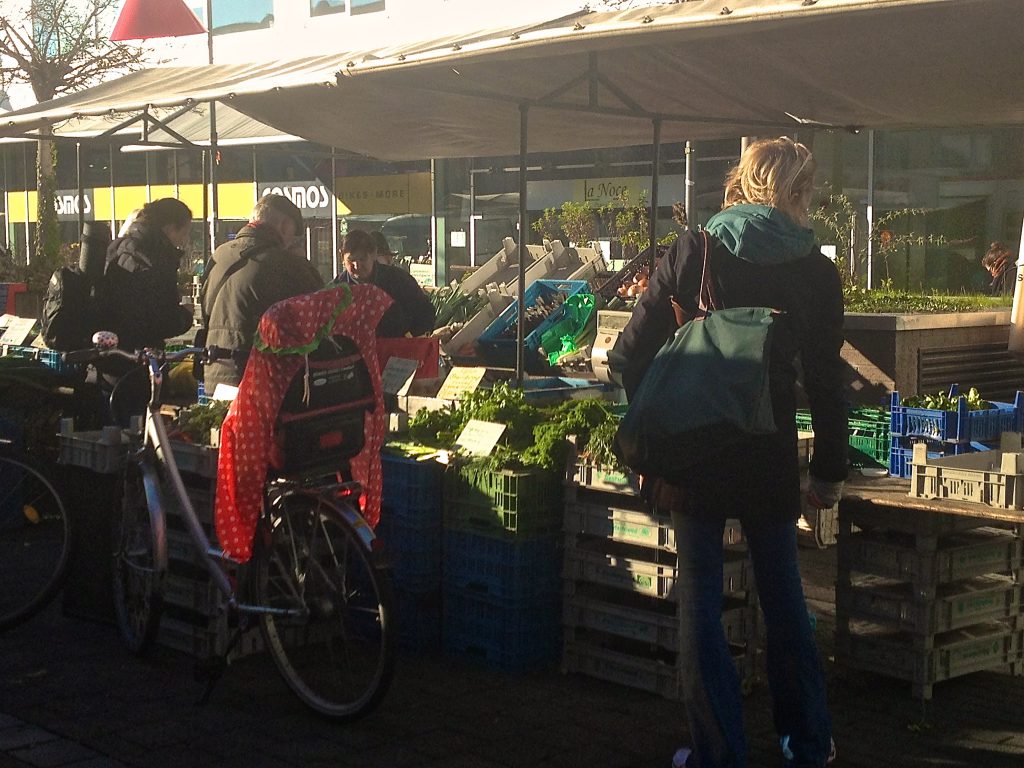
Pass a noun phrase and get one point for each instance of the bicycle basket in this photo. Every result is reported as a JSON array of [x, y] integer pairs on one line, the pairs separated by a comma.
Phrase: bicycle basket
[[322, 427]]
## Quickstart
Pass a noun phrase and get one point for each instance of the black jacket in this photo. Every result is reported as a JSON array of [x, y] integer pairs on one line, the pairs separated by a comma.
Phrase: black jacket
[[148, 308], [760, 479], [244, 277], [412, 311]]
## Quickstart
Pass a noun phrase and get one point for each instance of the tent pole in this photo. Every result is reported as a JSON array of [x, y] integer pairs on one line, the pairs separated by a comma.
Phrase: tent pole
[[524, 110], [78, 178], [214, 208], [334, 212], [688, 187], [655, 179], [871, 209]]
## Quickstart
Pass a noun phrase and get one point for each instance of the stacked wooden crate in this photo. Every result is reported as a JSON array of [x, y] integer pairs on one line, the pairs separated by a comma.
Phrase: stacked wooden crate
[[621, 607]]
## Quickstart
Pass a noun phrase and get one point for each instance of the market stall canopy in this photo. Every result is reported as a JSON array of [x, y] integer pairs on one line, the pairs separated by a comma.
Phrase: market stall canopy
[[600, 79], [191, 125]]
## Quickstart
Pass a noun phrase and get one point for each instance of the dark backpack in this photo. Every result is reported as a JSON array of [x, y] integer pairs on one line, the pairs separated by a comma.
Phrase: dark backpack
[[80, 300]]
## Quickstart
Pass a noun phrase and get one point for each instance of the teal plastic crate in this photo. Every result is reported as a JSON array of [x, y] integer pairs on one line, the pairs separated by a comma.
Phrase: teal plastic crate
[[498, 349]]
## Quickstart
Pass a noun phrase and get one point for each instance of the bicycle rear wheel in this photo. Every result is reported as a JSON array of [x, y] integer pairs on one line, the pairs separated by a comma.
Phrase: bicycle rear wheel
[[332, 639], [139, 565], [35, 538]]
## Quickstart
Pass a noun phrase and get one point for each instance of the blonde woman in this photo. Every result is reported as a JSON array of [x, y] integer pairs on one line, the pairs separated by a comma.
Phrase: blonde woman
[[761, 252]]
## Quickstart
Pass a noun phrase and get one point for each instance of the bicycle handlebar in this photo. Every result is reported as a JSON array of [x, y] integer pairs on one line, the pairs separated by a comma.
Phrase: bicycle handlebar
[[93, 354]]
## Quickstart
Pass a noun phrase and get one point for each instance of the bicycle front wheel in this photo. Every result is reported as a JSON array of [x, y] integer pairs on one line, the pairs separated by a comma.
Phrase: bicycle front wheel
[[35, 538], [139, 565], [329, 625]]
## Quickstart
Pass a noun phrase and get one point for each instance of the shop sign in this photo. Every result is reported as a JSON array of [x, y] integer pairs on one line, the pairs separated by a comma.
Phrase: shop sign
[[311, 197], [68, 205], [386, 194], [605, 190]]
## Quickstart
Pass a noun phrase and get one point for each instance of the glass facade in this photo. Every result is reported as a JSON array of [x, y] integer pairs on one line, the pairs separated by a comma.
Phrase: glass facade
[[937, 198]]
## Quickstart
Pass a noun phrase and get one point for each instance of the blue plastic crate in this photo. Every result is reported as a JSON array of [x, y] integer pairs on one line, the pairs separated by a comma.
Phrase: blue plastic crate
[[51, 358], [902, 451], [412, 492], [511, 569], [414, 554], [515, 636], [498, 351], [959, 426], [419, 620]]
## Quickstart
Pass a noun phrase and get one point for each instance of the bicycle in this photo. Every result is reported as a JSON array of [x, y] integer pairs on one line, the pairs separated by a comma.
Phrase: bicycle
[[323, 601], [35, 538]]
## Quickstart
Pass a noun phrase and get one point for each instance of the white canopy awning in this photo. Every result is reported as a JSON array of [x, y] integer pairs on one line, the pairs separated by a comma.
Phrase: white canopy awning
[[757, 67]]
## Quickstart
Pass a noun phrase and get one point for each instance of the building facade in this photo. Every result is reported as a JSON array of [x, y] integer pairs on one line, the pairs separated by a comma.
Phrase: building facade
[[943, 194]]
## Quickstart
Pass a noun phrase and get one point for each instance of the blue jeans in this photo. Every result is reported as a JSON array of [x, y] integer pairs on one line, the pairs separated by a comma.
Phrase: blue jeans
[[711, 689]]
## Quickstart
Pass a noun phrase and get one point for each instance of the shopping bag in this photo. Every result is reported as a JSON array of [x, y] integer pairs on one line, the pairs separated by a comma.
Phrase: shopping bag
[[706, 390]]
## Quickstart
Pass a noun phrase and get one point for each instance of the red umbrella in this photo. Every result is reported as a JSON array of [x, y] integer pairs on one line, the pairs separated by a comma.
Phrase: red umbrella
[[155, 18]]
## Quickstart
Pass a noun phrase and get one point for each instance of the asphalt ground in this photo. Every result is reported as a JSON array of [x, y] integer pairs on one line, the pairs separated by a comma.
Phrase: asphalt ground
[[71, 695]]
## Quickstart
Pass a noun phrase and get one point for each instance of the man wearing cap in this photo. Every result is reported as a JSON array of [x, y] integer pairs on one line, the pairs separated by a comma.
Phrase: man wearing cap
[[262, 265]]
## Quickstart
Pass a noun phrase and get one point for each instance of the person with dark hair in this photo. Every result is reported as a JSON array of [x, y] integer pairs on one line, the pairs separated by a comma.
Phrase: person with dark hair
[[998, 262], [412, 313], [149, 308], [759, 251], [260, 267]]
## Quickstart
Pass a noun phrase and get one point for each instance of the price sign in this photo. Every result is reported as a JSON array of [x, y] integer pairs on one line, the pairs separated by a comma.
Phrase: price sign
[[480, 437], [460, 381], [397, 375], [18, 329]]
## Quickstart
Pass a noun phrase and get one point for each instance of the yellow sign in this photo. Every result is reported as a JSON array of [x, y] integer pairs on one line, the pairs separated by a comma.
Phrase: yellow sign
[[392, 194], [460, 381]]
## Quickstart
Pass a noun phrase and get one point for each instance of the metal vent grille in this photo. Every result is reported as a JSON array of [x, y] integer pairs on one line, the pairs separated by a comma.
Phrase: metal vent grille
[[989, 367]]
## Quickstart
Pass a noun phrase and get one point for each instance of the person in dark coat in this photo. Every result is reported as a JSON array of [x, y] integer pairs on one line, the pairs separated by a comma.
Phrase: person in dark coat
[[260, 267], [141, 279], [412, 313], [149, 308], [762, 253]]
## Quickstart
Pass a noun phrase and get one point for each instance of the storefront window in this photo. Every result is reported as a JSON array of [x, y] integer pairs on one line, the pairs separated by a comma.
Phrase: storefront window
[[367, 6], [323, 7], [241, 15]]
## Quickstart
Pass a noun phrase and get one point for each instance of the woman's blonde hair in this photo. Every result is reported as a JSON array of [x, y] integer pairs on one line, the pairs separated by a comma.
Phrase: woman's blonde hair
[[773, 172]]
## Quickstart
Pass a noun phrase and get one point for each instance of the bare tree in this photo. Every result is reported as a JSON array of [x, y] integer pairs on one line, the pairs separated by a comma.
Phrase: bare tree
[[57, 47]]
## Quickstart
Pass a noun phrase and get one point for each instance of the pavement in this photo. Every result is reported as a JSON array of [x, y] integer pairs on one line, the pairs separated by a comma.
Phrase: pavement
[[70, 695]]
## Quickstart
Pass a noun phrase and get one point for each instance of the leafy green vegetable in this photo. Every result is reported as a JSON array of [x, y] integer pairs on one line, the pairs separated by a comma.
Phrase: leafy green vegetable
[[196, 423], [943, 402]]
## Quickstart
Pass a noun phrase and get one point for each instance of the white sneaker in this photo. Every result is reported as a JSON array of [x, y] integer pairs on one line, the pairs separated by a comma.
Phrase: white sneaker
[[681, 756], [788, 753]]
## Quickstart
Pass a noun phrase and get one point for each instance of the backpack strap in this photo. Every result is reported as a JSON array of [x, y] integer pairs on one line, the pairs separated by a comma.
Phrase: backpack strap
[[204, 291]]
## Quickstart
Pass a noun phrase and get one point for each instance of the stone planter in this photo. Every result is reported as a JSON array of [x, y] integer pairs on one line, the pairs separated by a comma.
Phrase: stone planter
[[923, 353]]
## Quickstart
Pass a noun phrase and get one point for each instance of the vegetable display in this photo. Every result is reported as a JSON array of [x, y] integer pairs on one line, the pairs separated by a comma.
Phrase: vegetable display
[[943, 402], [194, 424], [536, 314], [534, 437]]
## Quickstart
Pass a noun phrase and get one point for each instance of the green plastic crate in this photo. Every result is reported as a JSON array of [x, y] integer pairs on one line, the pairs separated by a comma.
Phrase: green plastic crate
[[503, 503], [869, 435]]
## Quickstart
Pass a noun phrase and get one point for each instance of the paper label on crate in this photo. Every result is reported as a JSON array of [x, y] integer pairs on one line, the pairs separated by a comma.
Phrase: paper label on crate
[[479, 437], [398, 374], [18, 329], [460, 381]]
